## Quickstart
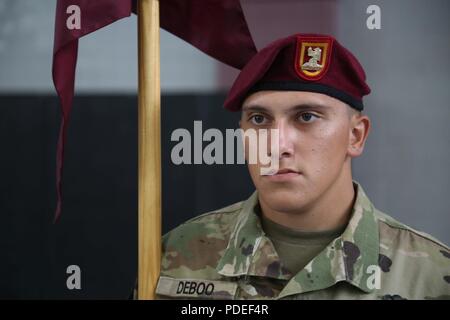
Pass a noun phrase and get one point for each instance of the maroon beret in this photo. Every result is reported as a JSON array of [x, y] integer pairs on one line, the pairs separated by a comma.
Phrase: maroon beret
[[302, 62]]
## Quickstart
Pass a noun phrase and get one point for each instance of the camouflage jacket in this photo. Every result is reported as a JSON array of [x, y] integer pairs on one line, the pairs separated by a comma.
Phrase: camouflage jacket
[[225, 254]]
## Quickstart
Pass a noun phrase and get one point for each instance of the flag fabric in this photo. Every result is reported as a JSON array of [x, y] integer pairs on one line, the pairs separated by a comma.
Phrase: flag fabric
[[216, 27], [93, 15]]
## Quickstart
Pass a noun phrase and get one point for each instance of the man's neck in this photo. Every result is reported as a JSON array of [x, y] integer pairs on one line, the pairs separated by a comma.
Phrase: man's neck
[[330, 211]]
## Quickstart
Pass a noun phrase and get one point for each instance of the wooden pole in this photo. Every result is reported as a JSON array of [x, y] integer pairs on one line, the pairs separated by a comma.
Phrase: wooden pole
[[149, 144]]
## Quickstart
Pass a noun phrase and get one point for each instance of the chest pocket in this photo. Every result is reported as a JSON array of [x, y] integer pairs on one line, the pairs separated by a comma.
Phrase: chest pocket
[[196, 288]]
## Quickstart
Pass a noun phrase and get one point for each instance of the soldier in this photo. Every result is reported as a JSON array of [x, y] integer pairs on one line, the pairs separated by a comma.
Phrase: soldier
[[309, 231]]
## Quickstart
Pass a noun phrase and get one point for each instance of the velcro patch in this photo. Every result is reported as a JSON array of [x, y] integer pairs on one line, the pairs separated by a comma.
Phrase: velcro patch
[[196, 288]]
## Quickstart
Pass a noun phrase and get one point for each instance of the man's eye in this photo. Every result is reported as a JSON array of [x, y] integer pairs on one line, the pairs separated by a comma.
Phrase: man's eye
[[258, 119], [307, 117]]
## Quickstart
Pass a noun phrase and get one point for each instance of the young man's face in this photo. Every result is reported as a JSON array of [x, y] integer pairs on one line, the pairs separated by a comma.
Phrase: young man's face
[[317, 137]]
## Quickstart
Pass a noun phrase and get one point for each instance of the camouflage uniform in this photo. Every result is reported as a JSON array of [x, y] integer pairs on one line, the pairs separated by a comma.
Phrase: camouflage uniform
[[225, 254]]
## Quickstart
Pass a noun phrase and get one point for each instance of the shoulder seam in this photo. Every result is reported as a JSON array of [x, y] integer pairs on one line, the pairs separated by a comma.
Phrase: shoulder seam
[[401, 226]]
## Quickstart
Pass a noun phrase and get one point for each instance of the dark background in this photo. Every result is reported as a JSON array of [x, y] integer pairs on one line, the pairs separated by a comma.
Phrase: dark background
[[98, 227]]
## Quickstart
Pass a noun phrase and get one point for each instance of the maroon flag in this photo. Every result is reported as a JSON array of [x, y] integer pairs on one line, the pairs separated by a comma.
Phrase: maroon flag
[[216, 27], [75, 19]]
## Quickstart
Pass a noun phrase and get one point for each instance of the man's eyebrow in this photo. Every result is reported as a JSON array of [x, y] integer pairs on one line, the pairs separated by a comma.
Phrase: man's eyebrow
[[309, 106], [295, 108], [253, 108]]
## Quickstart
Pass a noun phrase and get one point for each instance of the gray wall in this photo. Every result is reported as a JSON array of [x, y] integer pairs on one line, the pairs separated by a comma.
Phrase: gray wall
[[404, 168], [405, 165]]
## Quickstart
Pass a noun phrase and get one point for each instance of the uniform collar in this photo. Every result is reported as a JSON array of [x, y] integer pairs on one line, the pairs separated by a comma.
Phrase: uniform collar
[[351, 257]]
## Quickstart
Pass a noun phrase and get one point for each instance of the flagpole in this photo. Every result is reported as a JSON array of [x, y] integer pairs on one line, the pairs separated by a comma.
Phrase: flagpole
[[149, 148]]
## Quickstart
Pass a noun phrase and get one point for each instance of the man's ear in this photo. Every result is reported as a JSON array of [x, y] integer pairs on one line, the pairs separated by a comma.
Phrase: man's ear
[[359, 131]]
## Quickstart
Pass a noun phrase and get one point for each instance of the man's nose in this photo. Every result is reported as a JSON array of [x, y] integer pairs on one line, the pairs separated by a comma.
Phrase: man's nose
[[285, 139]]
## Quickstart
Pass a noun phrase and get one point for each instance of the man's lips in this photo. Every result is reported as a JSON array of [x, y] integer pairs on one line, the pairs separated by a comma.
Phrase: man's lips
[[284, 171], [284, 174]]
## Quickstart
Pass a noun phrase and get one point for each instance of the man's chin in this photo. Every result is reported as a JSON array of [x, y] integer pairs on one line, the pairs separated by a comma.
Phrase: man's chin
[[284, 200]]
